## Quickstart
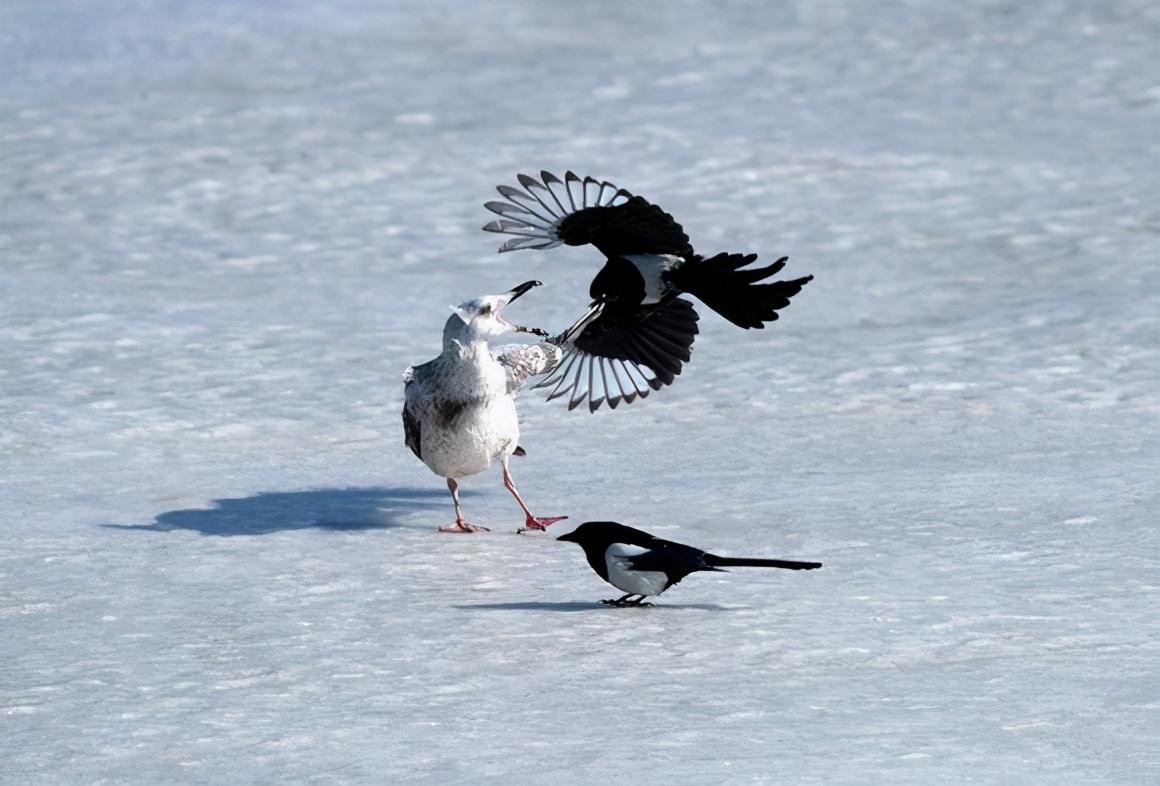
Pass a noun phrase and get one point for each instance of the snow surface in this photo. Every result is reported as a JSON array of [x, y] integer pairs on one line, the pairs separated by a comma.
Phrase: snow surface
[[226, 229]]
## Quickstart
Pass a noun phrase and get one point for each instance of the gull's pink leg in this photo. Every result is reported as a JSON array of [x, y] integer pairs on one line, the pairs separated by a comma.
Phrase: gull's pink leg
[[460, 525], [533, 522]]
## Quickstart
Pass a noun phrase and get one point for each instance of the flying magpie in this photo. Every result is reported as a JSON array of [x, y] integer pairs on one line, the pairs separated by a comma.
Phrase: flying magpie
[[641, 564], [638, 331], [459, 410]]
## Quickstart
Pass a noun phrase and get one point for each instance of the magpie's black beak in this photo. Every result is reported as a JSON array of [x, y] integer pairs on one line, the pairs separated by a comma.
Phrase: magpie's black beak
[[521, 289], [568, 537]]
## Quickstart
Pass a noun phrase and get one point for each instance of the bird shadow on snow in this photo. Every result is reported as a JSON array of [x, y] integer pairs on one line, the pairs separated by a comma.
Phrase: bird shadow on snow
[[277, 511], [590, 606]]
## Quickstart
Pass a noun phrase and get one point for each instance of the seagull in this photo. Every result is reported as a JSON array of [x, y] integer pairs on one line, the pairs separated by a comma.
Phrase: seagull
[[641, 564], [638, 331], [459, 411]]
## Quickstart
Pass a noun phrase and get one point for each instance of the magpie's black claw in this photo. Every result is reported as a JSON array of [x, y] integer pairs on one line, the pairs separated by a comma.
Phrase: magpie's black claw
[[624, 601]]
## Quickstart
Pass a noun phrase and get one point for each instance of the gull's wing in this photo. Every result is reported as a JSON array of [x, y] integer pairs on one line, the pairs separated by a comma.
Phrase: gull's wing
[[414, 406], [524, 361], [613, 355], [548, 212]]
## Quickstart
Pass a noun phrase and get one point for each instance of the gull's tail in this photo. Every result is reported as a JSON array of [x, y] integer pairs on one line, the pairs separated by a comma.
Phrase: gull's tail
[[722, 285]]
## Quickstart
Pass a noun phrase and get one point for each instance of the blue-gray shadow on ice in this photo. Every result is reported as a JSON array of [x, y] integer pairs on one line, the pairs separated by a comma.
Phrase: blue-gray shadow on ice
[[329, 509], [537, 605]]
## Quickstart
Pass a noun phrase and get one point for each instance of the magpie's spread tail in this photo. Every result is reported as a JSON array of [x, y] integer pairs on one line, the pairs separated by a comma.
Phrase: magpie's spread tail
[[713, 561], [721, 284]]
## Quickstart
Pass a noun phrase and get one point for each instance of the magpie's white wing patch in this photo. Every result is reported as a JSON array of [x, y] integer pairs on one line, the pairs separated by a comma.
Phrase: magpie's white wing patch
[[583, 377], [618, 558], [653, 268]]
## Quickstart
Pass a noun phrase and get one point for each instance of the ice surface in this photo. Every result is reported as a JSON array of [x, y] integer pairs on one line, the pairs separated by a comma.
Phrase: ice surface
[[226, 228]]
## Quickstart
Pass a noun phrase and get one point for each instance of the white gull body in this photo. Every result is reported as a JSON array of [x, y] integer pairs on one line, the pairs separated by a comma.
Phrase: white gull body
[[467, 416], [459, 412]]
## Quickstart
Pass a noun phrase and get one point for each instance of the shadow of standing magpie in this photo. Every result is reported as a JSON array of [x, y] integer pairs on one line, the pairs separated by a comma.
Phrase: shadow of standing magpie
[[278, 511], [587, 606]]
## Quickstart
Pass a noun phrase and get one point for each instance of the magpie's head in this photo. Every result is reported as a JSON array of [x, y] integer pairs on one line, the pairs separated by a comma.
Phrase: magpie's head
[[482, 318], [596, 533]]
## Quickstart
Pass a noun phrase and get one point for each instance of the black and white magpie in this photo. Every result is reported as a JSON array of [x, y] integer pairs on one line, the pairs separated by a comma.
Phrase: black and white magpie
[[641, 564], [638, 331]]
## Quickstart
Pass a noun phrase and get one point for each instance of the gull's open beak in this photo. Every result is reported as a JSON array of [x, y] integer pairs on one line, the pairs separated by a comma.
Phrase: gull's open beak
[[521, 289], [515, 293]]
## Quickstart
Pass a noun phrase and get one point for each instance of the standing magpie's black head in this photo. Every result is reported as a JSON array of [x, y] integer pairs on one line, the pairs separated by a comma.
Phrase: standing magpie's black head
[[602, 533]]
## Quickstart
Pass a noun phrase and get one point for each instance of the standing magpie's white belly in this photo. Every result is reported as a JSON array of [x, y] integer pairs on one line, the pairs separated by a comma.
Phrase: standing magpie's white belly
[[466, 441], [636, 582]]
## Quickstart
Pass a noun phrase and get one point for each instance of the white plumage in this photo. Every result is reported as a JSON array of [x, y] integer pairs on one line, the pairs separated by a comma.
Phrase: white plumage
[[459, 411], [466, 414], [618, 558], [652, 269]]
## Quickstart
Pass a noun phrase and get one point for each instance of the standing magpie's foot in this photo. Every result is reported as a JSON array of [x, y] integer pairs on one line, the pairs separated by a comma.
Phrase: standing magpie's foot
[[624, 601], [461, 526], [540, 524]]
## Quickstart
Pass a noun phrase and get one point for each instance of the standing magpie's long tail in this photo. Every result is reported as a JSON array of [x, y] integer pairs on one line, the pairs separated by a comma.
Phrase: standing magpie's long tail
[[721, 284], [713, 561]]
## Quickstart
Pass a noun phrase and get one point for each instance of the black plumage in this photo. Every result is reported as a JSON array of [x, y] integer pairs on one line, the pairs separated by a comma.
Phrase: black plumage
[[638, 331], [641, 564], [412, 433]]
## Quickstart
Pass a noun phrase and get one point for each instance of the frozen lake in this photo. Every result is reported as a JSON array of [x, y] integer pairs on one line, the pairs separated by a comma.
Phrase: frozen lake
[[227, 228]]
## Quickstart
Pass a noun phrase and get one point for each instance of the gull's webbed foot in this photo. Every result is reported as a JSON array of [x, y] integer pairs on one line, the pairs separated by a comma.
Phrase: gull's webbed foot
[[539, 524]]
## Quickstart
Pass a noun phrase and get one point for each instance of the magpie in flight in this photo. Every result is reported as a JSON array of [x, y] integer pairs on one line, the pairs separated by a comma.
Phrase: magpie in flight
[[640, 564], [459, 410], [638, 331]]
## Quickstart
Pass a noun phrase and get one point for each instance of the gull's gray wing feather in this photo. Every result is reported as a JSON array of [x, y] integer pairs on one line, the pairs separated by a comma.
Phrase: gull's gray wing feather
[[524, 361], [414, 405]]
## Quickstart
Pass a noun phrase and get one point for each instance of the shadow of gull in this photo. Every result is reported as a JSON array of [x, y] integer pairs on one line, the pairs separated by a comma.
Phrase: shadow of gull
[[278, 511]]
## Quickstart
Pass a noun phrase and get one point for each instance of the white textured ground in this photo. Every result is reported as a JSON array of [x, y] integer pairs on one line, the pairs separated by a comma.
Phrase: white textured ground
[[227, 228]]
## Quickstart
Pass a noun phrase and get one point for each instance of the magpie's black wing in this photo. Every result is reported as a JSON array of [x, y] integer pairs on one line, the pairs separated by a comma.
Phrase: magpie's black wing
[[616, 355], [615, 532], [675, 559], [550, 211]]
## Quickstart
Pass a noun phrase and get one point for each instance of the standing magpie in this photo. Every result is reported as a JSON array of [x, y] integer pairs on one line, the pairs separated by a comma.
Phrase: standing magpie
[[459, 412], [641, 564], [637, 332]]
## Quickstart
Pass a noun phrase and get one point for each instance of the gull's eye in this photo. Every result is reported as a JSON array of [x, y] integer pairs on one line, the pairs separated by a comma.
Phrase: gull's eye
[[484, 311]]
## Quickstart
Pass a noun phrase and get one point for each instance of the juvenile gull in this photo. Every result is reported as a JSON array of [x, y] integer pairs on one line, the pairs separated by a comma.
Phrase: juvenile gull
[[459, 412], [637, 331]]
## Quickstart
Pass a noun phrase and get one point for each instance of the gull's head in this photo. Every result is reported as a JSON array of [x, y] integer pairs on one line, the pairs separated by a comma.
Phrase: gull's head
[[482, 318]]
